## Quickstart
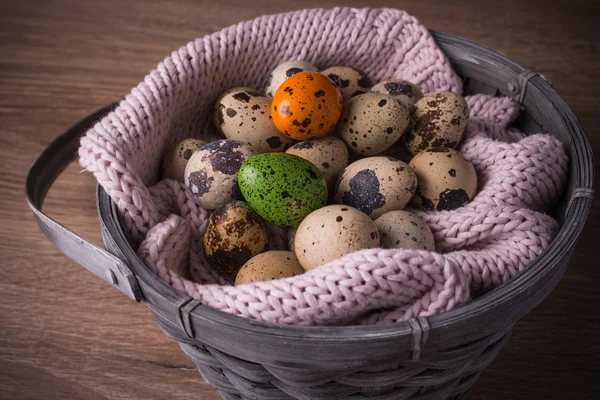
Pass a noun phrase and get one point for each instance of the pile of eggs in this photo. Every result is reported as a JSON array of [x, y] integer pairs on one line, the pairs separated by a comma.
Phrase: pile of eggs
[[309, 155]]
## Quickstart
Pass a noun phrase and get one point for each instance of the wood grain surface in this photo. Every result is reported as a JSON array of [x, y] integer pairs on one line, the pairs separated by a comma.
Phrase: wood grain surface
[[66, 335]]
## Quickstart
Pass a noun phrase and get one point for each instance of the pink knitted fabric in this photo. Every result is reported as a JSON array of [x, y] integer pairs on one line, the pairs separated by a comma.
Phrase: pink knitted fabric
[[479, 246]]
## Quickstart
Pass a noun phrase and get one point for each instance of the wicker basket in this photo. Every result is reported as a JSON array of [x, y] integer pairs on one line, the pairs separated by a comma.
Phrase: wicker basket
[[430, 358]]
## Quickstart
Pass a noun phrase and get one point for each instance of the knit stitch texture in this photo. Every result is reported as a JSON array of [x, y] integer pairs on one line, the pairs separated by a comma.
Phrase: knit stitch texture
[[479, 246]]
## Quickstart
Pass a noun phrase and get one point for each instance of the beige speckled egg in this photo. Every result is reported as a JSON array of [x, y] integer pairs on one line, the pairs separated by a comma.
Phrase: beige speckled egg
[[329, 154], [284, 71], [233, 235], [332, 232], [438, 120], [445, 180], [376, 185], [173, 165], [350, 81], [244, 114], [403, 91], [269, 265], [372, 123], [404, 230], [211, 172]]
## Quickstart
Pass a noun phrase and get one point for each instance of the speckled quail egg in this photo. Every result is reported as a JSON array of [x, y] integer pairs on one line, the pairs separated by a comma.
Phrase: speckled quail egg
[[403, 91], [332, 232], [267, 266], [350, 81], [438, 120], [284, 71], [244, 114], [372, 123], [329, 154], [282, 188], [173, 165], [445, 180], [404, 230], [211, 172], [376, 185], [233, 235], [306, 106]]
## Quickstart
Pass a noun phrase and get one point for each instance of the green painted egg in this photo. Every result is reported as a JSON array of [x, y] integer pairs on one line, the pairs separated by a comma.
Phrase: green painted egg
[[282, 188]]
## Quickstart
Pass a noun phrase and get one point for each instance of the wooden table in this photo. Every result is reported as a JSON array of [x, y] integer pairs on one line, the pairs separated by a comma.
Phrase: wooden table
[[66, 335]]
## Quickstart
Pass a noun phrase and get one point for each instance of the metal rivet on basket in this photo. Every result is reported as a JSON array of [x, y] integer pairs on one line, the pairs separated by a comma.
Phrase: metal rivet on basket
[[111, 276], [513, 88], [524, 78]]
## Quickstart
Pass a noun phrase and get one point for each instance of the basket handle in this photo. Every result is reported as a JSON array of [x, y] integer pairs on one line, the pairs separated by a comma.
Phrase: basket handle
[[42, 174]]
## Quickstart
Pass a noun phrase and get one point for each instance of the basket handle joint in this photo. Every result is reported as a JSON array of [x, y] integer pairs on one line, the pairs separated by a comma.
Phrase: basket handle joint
[[40, 178], [518, 87]]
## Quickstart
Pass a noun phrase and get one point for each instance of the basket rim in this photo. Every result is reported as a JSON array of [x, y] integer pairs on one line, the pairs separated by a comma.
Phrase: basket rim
[[522, 284]]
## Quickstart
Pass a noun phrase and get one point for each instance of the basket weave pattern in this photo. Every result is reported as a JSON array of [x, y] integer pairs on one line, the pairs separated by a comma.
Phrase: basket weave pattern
[[447, 376]]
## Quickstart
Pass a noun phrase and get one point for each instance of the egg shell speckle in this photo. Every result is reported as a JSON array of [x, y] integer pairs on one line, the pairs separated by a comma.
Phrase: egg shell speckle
[[332, 232], [404, 230], [402, 91], [372, 123], [446, 180], [282, 188], [350, 81], [244, 114], [284, 71], [306, 106], [438, 120], [175, 161], [329, 154], [233, 235], [211, 172], [376, 185], [269, 265]]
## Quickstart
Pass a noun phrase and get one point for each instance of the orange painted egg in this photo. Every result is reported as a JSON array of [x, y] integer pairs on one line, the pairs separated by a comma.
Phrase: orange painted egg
[[306, 105]]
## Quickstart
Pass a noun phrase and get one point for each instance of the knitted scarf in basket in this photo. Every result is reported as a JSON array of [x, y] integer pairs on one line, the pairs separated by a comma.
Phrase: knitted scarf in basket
[[479, 246]]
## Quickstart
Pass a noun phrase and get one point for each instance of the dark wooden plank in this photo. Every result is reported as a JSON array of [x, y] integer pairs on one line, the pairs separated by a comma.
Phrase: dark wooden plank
[[61, 60]]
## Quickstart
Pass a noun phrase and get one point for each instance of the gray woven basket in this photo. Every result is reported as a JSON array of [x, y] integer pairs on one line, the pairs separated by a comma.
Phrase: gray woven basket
[[439, 357]]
